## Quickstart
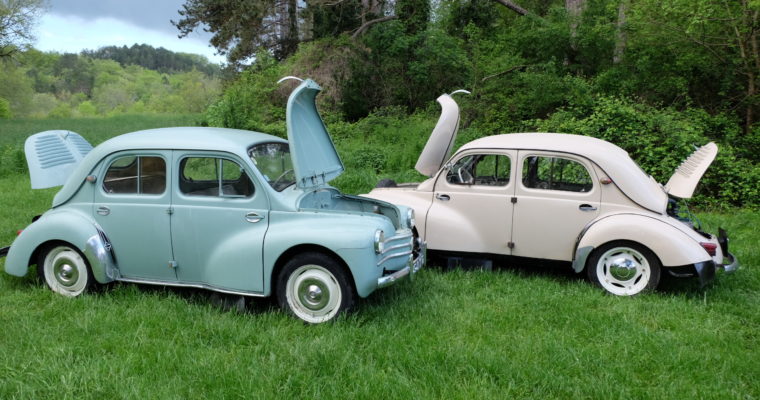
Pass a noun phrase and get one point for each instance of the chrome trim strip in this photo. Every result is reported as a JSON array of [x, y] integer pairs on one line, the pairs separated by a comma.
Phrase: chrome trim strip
[[396, 247], [386, 258], [192, 285], [398, 237]]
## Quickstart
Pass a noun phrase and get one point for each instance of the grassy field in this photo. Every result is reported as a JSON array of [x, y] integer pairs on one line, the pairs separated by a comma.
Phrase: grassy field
[[513, 332]]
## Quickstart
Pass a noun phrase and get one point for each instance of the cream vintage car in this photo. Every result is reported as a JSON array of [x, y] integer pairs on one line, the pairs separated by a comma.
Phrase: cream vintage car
[[559, 197]]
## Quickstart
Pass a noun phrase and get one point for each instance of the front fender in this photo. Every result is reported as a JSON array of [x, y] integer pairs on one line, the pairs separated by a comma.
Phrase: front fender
[[350, 237], [670, 244], [68, 226]]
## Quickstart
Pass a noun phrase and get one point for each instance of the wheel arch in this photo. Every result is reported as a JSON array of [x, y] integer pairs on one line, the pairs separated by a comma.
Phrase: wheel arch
[[291, 252], [669, 244], [71, 228]]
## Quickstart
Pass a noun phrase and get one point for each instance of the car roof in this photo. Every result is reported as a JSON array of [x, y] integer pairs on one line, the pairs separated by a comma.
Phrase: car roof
[[234, 141], [613, 160]]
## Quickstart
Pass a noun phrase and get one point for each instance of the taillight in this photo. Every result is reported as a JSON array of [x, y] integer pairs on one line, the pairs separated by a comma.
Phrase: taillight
[[710, 248], [18, 232]]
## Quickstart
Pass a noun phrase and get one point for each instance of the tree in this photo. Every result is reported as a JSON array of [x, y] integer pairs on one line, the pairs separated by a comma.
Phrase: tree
[[17, 18], [240, 28]]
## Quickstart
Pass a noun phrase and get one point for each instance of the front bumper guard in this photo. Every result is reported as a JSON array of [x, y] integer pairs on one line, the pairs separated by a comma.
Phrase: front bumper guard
[[412, 267]]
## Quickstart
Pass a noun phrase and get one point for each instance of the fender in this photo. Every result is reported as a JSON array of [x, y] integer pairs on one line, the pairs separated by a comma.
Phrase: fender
[[671, 245], [350, 237], [67, 226], [419, 201]]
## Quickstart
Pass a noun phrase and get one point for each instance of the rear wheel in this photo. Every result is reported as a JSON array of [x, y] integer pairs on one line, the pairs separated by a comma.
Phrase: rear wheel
[[624, 268], [65, 270], [314, 288]]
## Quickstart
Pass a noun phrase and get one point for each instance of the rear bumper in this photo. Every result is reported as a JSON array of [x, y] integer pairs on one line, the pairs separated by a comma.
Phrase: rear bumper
[[706, 270], [411, 268], [4, 251]]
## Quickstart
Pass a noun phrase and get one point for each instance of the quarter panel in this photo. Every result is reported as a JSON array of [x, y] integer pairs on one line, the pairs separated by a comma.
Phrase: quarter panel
[[65, 225], [417, 200], [671, 245]]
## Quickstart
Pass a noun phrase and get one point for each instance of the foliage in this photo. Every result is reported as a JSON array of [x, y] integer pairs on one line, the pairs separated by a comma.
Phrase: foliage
[[38, 84], [17, 18], [156, 59]]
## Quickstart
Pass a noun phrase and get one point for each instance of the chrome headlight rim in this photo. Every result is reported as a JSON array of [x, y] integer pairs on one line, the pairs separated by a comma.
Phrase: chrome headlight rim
[[410, 221], [379, 241]]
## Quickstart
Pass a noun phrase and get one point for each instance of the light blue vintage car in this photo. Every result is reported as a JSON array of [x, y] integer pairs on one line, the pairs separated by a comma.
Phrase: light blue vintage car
[[232, 211]]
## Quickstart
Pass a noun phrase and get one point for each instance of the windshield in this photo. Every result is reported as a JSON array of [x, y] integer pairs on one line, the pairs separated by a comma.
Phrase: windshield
[[274, 162]]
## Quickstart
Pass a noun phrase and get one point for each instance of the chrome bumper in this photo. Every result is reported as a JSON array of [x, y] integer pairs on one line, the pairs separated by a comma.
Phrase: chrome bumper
[[733, 263], [411, 268]]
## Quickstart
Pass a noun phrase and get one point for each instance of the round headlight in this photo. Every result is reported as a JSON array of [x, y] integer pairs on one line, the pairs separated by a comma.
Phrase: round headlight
[[379, 241], [410, 218]]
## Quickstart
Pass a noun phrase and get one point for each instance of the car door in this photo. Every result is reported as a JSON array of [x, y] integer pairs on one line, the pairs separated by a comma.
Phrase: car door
[[471, 210], [557, 196], [219, 221], [131, 205]]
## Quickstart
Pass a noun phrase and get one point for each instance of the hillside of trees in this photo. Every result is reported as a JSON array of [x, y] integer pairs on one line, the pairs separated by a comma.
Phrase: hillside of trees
[[157, 59], [135, 80]]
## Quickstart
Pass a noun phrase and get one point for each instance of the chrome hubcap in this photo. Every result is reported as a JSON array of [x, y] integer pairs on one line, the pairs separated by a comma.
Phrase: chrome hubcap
[[313, 294], [623, 269], [65, 274]]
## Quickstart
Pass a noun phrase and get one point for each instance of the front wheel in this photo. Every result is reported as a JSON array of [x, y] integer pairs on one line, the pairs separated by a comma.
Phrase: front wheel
[[624, 268], [65, 270], [314, 288]]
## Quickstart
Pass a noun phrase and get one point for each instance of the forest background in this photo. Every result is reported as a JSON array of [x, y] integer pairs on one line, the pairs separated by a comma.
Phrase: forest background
[[656, 77]]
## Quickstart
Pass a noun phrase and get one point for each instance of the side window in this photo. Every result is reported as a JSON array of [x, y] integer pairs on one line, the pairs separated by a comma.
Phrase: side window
[[480, 169], [215, 177], [136, 175], [555, 173]]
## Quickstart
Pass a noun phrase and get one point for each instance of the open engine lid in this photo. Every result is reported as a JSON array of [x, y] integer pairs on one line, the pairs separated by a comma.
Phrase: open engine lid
[[683, 182], [441, 141], [53, 155], [315, 160]]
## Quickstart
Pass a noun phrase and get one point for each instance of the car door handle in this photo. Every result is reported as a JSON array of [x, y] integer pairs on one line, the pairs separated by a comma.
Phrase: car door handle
[[442, 197], [103, 210], [253, 217], [586, 207]]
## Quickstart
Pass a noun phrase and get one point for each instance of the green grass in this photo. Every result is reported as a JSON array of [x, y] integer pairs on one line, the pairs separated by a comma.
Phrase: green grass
[[508, 333]]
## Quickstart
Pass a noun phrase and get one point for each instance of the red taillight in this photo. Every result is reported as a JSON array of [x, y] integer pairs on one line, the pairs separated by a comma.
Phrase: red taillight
[[18, 232], [710, 248]]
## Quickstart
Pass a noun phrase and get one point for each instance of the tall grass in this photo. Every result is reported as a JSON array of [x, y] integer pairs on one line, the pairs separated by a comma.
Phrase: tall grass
[[514, 332]]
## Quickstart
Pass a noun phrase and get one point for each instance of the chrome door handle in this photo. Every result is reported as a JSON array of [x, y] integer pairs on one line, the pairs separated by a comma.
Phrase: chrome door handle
[[586, 207], [103, 210], [252, 217], [442, 197]]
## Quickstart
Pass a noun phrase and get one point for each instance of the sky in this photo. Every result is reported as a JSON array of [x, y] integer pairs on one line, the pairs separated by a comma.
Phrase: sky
[[70, 26]]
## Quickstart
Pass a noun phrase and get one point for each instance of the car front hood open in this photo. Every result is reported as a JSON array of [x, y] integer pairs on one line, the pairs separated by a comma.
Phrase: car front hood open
[[441, 141], [683, 182], [315, 160]]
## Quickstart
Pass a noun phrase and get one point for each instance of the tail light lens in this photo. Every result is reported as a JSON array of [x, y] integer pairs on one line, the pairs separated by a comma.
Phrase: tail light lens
[[710, 248], [18, 232]]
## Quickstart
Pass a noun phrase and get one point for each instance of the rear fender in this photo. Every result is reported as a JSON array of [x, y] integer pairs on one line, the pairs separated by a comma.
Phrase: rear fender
[[671, 245], [67, 226]]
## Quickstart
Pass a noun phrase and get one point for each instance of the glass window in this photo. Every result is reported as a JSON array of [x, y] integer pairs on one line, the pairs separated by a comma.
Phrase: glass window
[[480, 169], [274, 162], [211, 176], [555, 173], [136, 175]]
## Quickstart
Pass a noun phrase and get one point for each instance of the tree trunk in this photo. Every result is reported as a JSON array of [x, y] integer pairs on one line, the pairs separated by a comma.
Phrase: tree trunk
[[574, 12], [621, 36], [512, 6]]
